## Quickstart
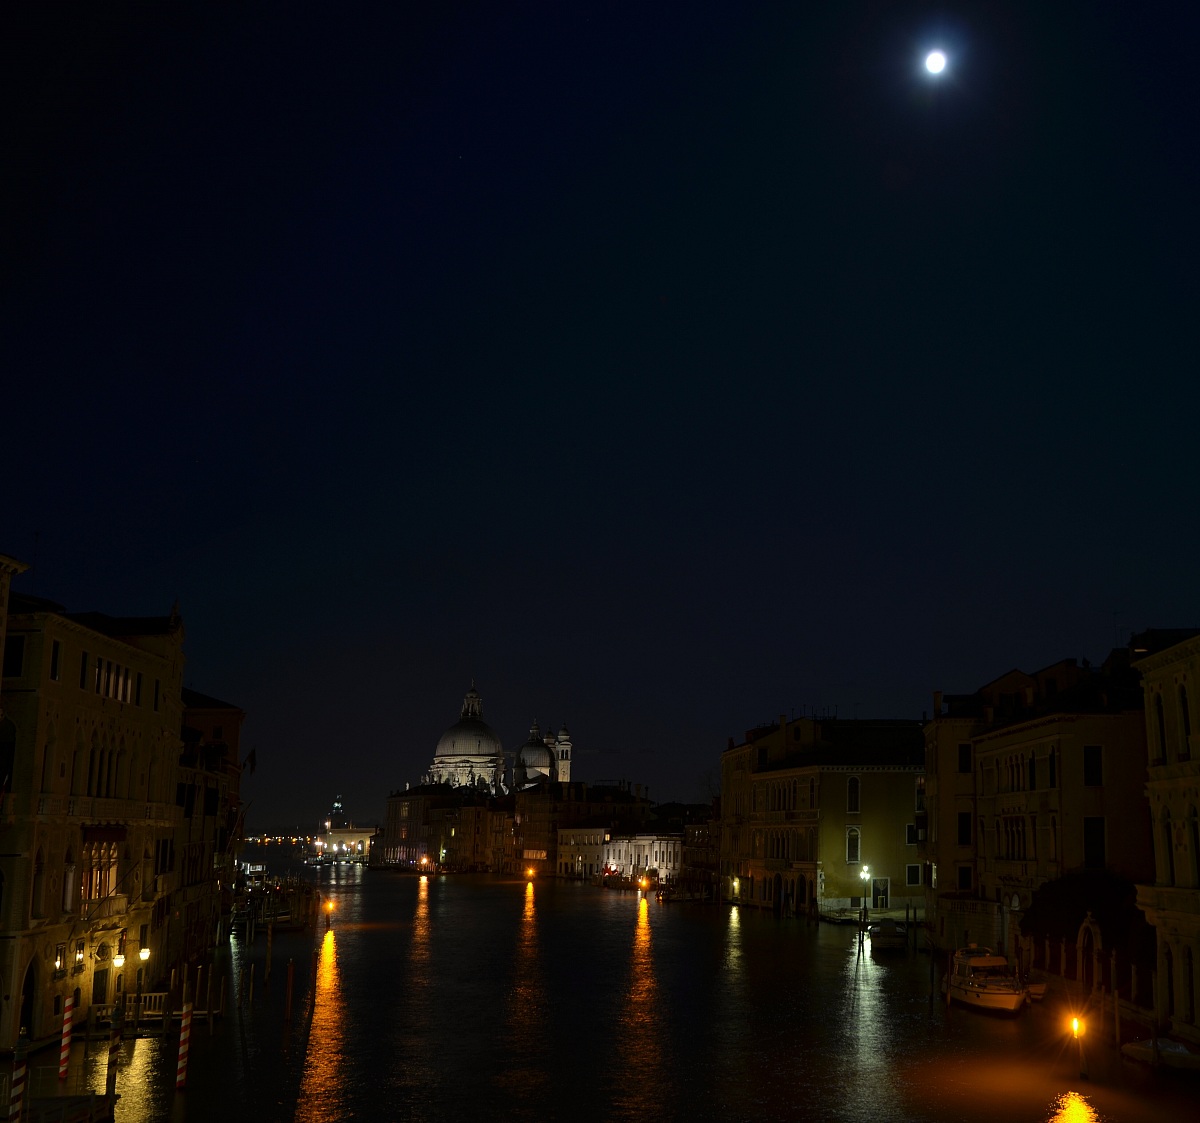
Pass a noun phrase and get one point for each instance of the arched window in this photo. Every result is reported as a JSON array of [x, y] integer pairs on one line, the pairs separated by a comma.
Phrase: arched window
[[38, 903], [1194, 837], [1168, 845], [1169, 980], [1185, 723], [77, 765], [852, 796], [68, 883], [49, 752], [852, 844], [1161, 721], [8, 755], [1189, 986]]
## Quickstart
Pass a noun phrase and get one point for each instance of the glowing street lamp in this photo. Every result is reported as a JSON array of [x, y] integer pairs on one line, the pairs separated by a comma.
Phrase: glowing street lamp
[[865, 874], [144, 956]]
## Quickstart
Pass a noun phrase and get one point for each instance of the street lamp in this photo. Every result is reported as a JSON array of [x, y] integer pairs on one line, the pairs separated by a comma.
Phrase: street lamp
[[144, 956], [865, 874]]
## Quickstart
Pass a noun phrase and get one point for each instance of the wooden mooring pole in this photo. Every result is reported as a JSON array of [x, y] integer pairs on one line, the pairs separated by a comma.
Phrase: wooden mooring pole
[[16, 1091], [185, 1032], [64, 1052], [1116, 1003]]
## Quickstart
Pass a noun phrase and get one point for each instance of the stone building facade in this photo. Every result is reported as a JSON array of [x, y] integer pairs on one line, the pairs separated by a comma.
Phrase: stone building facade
[[1032, 777], [93, 713], [808, 804], [1171, 902]]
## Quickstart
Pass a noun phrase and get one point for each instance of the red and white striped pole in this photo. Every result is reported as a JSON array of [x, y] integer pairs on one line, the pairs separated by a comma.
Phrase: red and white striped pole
[[16, 1095], [64, 1053], [185, 1031]]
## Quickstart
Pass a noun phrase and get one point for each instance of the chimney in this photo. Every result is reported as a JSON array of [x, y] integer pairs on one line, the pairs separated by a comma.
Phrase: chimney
[[937, 704]]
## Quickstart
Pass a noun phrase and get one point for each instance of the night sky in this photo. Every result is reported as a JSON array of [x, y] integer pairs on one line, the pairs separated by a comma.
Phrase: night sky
[[664, 368]]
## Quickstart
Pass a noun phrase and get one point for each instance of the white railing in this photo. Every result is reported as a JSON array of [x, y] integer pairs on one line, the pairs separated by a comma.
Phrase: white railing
[[115, 904]]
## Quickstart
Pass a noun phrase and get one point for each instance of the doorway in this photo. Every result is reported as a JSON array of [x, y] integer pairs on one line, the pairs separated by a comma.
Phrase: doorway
[[28, 990]]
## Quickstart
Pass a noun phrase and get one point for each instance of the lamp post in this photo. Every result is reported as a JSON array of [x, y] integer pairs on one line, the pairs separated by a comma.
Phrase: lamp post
[[144, 956], [865, 874], [119, 964]]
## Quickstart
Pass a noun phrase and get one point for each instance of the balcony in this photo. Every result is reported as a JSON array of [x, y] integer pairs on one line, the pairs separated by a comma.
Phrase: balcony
[[115, 904]]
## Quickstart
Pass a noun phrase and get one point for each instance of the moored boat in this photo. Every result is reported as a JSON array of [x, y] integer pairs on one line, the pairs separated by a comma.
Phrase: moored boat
[[981, 978], [886, 934]]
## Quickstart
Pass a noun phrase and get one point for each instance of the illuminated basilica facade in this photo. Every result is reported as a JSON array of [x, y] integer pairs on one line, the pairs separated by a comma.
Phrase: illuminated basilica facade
[[470, 755]]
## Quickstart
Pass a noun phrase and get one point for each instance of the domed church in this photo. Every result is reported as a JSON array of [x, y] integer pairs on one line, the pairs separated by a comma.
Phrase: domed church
[[469, 753], [543, 758]]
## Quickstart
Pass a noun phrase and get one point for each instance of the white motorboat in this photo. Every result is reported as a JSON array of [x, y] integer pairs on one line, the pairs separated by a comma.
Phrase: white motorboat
[[979, 977], [886, 934]]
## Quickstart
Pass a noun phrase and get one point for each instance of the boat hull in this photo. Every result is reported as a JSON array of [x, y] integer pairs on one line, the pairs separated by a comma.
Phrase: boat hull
[[984, 999]]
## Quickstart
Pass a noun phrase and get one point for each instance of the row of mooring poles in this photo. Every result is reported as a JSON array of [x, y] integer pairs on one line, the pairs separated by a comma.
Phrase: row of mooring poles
[[189, 993]]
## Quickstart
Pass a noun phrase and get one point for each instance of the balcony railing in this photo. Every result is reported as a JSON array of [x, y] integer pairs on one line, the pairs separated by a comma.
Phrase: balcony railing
[[115, 904]]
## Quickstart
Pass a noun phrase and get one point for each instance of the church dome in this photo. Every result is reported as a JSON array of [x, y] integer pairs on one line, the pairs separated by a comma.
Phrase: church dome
[[470, 735], [534, 754]]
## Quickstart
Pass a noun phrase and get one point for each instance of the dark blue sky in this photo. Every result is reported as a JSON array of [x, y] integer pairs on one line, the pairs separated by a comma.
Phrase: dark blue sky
[[664, 368]]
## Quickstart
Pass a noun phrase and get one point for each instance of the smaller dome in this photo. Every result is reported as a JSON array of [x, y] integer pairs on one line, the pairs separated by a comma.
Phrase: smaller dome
[[534, 754], [564, 734]]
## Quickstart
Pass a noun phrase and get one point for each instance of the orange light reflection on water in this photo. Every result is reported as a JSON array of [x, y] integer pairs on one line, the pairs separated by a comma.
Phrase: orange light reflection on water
[[1071, 1107], [526, 1016], [322, 1084], [639, 1045]]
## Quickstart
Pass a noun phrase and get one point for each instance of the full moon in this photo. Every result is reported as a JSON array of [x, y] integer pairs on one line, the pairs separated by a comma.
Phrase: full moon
[[935, 62]]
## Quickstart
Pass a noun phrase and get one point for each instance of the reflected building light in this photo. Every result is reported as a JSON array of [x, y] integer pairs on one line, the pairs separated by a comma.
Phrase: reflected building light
[[324, 1079], [1071, 1107], [640, 1054]]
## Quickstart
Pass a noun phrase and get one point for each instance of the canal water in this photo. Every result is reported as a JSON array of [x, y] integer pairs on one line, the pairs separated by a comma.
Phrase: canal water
[[451, 998]]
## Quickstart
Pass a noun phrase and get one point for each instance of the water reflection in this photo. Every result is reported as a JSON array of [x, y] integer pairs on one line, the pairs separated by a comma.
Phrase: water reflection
[[322, 1087], [413, 1025], [525, 1069], [639, 1038], [1071, 1107], [870, 1025]]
